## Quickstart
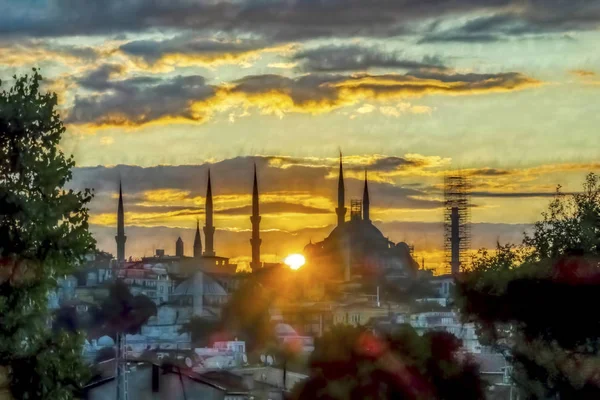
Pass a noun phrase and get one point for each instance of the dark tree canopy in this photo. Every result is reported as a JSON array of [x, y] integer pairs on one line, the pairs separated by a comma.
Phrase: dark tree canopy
[[353, 363], [536, 301], [122, 312], [43, 235]]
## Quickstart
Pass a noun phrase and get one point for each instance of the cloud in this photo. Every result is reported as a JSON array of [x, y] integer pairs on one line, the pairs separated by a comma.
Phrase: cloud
[[190, 50], [536, 18], [294, 20], [18, 53], [278, 207], [142, 100], [304, 189], [322, 93], [138, 100], [583, 73], [358, 58], [277, 20]]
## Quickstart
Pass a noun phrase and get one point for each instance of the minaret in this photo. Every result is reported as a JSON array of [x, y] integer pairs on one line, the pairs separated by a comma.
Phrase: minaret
[[179, 247], [255, 219], [365, 202], [120, 238], [341, 210], [209, 229], [197, 242]]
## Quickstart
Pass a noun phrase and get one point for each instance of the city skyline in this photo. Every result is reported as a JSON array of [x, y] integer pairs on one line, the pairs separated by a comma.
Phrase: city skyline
[[156, 94]]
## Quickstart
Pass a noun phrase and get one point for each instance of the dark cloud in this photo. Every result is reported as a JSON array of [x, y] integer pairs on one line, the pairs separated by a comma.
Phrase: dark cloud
[[358, 58], [278, 207], [207, 50], [446, 37], [537, 17], [234, 177], [489, 172], [138, 100], [281, 20]]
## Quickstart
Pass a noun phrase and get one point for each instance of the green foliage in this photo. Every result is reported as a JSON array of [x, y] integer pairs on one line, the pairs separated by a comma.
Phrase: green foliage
[[571, 224], [353, 363], [43, 234], [532, 300]]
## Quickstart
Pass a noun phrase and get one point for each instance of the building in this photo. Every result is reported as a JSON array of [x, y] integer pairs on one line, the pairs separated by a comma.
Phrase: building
[[356, 247], [447, 321], [150, 280], [151, 381]]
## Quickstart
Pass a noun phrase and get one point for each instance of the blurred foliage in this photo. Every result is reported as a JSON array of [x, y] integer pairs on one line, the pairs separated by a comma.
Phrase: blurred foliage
[[532, 301], [247, 314], [202, 330], [120, 312], [353, 363], [43, 235]]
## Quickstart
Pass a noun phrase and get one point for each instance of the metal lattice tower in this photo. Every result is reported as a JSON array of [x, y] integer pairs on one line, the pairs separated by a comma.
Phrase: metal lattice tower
[[457, 222], [355, 209]]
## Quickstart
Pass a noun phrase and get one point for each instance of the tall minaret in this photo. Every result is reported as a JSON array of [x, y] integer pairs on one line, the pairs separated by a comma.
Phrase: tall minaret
[[365, 202], [179, 247], [209, 229], [341, 210], [255, 219], [197, 242], [120, 238]]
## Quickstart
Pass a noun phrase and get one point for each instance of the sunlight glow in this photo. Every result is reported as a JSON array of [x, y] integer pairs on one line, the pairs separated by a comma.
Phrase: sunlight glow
[[295, 261]]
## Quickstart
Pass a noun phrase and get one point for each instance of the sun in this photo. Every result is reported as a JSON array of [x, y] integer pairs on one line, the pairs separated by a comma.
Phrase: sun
[[295, 261]]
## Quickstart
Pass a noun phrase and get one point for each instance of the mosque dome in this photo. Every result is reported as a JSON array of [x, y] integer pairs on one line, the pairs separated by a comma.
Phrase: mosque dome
[[358, 231], [106, 341]]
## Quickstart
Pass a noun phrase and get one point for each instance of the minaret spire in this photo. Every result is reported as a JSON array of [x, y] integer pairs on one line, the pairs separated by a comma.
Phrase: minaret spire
[[197, 241], [341, 209], [120, 238], [365, 202], [255, 219], [209, 229]]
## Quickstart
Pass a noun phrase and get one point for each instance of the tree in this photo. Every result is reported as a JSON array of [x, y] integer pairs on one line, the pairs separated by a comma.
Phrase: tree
[[353, 363], [533, 300], [122, 312], [247, 313], [202, 330], [43, 235]]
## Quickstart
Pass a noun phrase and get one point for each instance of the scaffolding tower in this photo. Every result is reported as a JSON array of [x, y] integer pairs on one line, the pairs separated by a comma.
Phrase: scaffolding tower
[[457, 222]]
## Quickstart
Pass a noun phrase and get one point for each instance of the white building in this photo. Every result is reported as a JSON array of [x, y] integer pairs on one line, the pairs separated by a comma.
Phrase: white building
[[447, 321], [147, 279]]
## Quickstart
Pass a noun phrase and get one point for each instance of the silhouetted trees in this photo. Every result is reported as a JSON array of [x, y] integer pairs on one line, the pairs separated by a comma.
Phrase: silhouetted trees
[[247, 314], [536, 302], [353, 363], [202, 330], [43, 235]]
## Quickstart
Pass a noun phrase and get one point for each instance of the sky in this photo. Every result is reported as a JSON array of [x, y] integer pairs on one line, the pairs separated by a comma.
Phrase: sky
[[154, 93]]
